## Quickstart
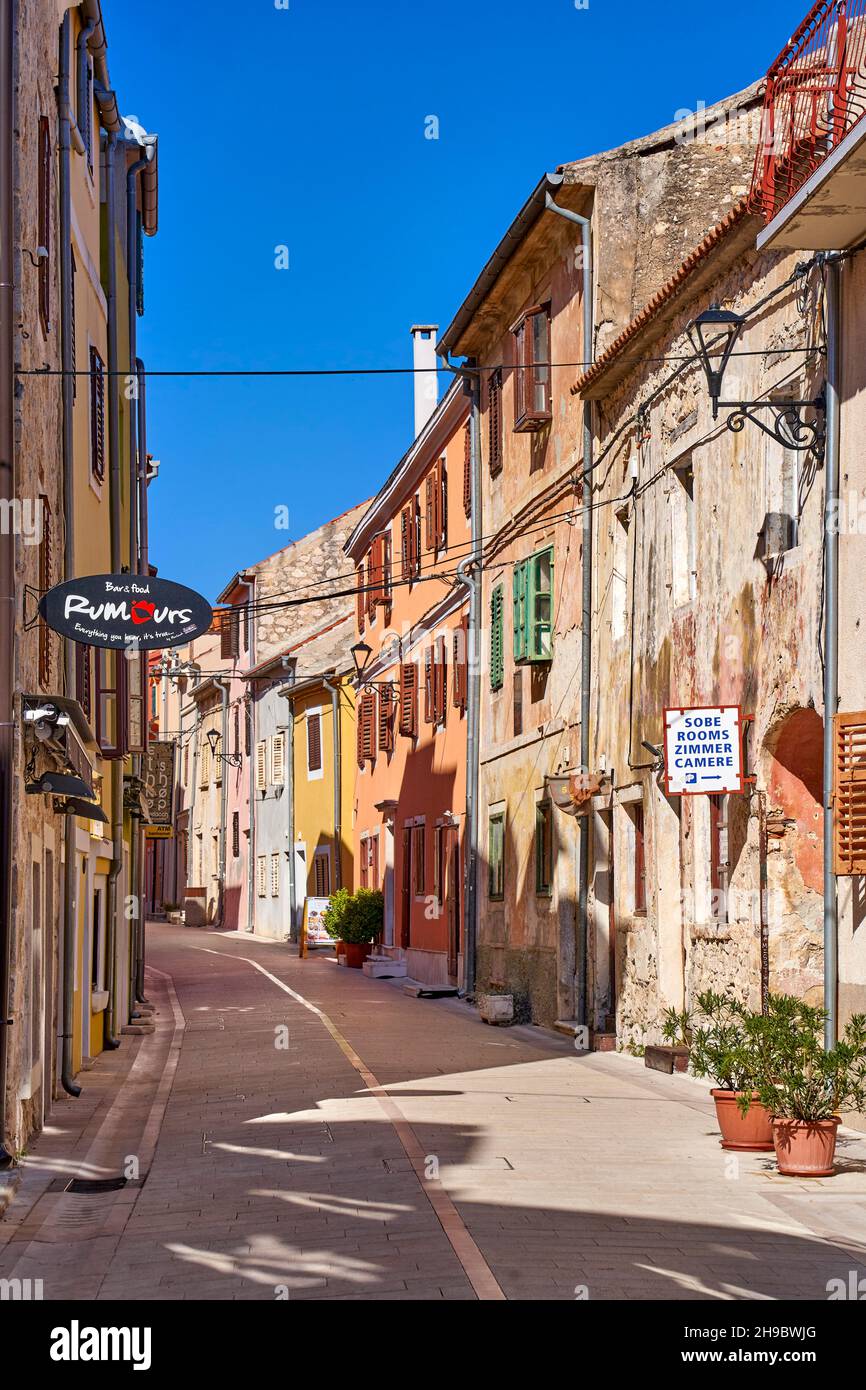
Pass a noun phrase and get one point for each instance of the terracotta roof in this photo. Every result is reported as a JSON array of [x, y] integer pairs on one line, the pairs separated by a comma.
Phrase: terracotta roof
[[664, 296]]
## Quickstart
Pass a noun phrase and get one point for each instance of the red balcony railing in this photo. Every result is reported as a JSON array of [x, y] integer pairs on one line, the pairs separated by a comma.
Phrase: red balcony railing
[[816, 93]]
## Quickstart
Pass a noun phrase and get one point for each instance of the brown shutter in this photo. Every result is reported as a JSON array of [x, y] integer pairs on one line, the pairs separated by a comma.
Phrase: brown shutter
[[460, 663], [97, 415], [82, 676], [44, 221], [416, 553], [359, 731], [440, 678], [467, 468], [430, 508], [314, 743], [406, 543], [371, 584], [386, 718], [494, 420], [429, 697], [409, 699], [45, 568], [368, 727], [228, 634], [849, 793], [442, 505], [361, 599]]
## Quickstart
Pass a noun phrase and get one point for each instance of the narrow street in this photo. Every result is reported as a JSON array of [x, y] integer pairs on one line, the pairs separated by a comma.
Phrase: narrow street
[[304, 1132]]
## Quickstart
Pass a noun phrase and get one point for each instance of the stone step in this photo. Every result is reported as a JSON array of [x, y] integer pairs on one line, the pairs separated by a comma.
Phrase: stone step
[[384, 968], [419, 990]]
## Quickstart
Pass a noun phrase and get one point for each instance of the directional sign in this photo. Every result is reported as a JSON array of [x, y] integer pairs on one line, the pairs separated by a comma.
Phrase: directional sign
[[703, 750]]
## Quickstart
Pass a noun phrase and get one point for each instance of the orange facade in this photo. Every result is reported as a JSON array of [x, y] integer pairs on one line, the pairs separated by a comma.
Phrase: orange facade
[[410, 789]]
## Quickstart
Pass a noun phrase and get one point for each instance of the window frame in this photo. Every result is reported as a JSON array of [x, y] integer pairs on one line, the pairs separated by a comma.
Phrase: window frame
[[544, 847], [531, 372], [496, 856]]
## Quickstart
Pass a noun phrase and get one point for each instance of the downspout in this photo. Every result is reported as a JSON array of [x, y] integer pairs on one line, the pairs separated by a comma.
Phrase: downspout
[[111, 1039], [67, 358], [224, 792], [8, 28], [251, 771], [134, 378], [582, 943], [338, 779], [831, 651], [143, 536], [469, 574]]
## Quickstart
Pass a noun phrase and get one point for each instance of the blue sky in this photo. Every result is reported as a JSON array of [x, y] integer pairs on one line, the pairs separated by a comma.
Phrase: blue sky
[[304, 127]]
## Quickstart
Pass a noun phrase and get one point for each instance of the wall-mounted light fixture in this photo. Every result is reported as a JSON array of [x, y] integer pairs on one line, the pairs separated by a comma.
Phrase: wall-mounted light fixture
[[233, 759]]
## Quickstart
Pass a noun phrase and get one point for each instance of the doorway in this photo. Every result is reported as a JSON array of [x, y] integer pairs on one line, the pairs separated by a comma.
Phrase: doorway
[[452, 878]]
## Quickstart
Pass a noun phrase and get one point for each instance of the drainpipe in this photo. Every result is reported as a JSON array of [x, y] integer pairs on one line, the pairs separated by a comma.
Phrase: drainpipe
[[251, 771], [291, 810], [8, 27], [469, 574], [338, 778], [582, 944], [111, 1039], [67, 358], [143, 536], [224, 792], [134, 374], [831, 651]]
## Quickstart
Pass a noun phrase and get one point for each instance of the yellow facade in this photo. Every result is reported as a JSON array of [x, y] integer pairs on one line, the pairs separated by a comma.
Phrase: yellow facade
[[314, 796]]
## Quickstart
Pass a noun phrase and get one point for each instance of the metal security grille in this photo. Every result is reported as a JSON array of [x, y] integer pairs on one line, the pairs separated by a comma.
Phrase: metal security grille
[[815, 94], [850, 793]]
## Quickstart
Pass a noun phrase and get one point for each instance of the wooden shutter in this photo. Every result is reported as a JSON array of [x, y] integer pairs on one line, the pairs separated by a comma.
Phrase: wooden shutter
[[314, 742], [372, 580], [44, 221], [97, 415], [409, 699], [261, 875], [45, 570], [441, 504], [386, 718], [849, 793], [467, 468], [368, 727], [236, 834], [406, 543], [429, 699], [416, 541], [261, 766], [278, 760], [440, 681], [460, 663], [494, 421], [430, 509], [361, 599], [497, 670], [519, 602], [82, 677]]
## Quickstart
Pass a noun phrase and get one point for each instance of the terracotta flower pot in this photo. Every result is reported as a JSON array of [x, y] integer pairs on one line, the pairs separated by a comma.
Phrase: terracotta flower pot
[[805, 1148], [749, 1133], [357, 952]]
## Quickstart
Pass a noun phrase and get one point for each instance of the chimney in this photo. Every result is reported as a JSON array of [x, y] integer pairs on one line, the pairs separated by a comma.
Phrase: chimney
[[426, 380]]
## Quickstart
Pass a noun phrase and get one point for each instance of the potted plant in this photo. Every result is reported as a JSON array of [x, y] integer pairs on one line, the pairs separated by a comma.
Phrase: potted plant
[[731, 1047], [355, 919], [807, 1085]]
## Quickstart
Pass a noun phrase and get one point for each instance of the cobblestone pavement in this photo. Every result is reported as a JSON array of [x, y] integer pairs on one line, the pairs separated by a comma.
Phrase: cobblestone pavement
[[303, 1132]]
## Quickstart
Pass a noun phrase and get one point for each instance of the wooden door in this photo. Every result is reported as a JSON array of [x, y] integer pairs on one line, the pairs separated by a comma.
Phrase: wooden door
[[406, 895], [451, 885]]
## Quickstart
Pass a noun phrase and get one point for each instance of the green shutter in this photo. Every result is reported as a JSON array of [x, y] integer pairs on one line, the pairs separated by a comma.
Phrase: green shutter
[[497, 669], [519, 579], [539, 605]]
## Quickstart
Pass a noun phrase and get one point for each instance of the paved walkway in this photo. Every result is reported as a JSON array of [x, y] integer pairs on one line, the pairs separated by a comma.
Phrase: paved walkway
[[302, 1132]]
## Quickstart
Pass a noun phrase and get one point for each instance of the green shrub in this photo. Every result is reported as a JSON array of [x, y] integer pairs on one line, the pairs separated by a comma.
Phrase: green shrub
[[335, 912], [805, 1081], [355, 917]]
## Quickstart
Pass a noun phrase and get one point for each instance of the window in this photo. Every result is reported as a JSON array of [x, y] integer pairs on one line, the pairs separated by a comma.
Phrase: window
[[719, 859], [136, 686], [218, 761], [440, 680], [44, 222], [322, 873], [82, 677], [379, 576], [467, 468], [460, 664], [261, 766], [110, 702], [360, 598], [275, 874], [45, 569], [683, 539], [367, 729], [496, 855], [639, 861], [84, 111], [410, 539], [532, 369], [237, 730], [409, 700], [533, 608], [204, 771], [436, 507], [850, 793], [494, 422], [619, 580], [230, 634], [97, 415], [497, 661], [419, 863], [314, 742], [261, 876], [278, 760], [429, 715], [236, 834], [370, 861], [544, 848], [386, 718]]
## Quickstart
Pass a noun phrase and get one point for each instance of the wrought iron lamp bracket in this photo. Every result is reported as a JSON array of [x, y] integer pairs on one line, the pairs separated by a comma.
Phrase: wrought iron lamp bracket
[[788, 426]]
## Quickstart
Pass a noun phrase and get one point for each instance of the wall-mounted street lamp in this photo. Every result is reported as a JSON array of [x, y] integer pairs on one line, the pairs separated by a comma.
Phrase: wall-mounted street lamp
[[233, 759], [361, 654], [713, 335]]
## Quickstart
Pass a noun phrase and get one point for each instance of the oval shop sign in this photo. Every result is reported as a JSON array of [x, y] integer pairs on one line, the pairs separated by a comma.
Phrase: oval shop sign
[[125, 610]]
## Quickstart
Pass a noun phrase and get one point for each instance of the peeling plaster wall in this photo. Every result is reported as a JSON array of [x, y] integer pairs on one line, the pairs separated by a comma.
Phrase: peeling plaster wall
[[744, 632]]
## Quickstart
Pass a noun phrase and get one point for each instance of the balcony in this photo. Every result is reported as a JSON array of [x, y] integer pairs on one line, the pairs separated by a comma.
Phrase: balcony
[[809, 181]]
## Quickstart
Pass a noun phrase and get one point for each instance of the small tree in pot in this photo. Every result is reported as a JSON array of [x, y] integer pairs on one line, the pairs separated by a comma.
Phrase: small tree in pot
[[806, 1086], [732, 1048], [356, 920]]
